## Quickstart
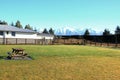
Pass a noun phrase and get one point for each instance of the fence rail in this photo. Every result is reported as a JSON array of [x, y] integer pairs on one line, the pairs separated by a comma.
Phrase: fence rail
[[26, 41], [17, 41], [85, 42]]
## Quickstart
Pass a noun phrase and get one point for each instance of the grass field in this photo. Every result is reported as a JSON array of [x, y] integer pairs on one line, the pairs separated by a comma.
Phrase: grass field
[[61, 62]]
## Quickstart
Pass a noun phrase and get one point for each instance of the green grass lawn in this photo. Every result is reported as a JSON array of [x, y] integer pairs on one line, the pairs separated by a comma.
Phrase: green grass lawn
[[61, 62]]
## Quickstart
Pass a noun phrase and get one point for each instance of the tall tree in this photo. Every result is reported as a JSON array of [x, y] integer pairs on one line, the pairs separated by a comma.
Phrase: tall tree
[[3, 23], [106, 37], [12, 24], [117, 31], [28, 27], [87, 33], [18, 24], [35, 29], [117, 35], [106, 32], [51, 31], [45, 31]]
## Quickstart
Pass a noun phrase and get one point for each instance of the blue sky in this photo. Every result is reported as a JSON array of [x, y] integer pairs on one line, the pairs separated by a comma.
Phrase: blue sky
[[95, 14]]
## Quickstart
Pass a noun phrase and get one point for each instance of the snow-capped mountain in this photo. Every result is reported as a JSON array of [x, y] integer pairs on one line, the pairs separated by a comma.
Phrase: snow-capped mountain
[[66, 31], [74, 31]]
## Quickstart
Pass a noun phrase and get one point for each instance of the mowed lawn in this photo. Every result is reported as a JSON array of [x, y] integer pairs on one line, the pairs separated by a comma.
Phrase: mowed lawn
[[61, 62]]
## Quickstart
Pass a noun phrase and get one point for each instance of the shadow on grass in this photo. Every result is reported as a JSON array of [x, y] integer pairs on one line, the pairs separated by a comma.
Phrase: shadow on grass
[[2, 57], [16, 58]]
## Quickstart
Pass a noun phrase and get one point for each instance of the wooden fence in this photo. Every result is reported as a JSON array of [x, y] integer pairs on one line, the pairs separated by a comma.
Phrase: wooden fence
[[26, 41], [68, 41], [85, 42], [107, 44], [16, 41]]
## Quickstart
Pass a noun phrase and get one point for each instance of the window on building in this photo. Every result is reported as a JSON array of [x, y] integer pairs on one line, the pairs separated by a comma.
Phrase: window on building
[[7, 32], [13, 33], [1, 32]]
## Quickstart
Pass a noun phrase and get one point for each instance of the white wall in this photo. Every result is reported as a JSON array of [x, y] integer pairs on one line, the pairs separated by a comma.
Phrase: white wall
[[1, 36], [7, 35], [26, 35], [21, 35], [45, 37]]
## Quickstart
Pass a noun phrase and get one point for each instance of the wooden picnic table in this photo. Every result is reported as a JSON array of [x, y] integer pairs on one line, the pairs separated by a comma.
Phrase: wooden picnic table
[[17, 53], [17, 50]]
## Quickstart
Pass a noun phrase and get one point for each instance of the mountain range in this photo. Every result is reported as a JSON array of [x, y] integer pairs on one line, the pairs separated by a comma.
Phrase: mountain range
[[74, 31]]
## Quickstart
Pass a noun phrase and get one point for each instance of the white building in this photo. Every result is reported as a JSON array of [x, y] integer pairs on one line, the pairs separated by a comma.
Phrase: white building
[[10, 32]]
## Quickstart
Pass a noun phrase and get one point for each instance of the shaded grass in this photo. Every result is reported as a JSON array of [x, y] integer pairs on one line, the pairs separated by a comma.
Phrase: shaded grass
[[62, 62]]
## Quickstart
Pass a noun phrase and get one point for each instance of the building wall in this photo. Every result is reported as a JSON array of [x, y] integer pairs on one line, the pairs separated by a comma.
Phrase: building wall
[[45, 37], [26, 35], [1, 36], [20, 35]]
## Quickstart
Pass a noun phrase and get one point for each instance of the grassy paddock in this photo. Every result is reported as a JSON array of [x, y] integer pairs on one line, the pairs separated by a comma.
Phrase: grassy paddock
[[62, 62]]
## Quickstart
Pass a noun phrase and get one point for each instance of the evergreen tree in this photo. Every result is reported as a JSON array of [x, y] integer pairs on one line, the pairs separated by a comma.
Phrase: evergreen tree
[[106, 32], [117, 31], [45, 31], [18, 24], [28, 27], [51, 31], [106, 37], [35, 29], [3, 23], [87, 33], [12, 24]]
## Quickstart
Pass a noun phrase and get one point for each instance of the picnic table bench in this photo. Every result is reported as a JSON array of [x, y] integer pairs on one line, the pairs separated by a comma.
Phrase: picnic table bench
[[17, 53], [17, 50]]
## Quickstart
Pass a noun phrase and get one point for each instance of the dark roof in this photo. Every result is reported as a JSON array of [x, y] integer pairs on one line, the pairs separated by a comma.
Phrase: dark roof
[[44, 34], [15, 29]]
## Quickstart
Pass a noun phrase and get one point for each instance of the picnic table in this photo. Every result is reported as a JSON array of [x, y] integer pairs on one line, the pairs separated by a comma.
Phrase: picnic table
[[18, 54], [17, 50]]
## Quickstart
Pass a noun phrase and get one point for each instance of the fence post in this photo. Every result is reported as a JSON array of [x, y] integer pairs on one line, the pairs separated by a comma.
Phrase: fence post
[[35, 41], [116, 43], [6, 41], [25, 41], [101, 44], [64, 41], [16, 40], [50, 41]]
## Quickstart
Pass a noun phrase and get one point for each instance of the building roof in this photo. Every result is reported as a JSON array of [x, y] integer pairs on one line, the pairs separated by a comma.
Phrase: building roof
[[44, 34], [15, 29]]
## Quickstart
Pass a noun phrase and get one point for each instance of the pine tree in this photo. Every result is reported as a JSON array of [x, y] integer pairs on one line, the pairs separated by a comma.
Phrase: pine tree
[[106, 32], [28, 27], [18, 24], [117, 31], [51, 31], [3, 23], [45, 31], [12, 24], [87, 33]]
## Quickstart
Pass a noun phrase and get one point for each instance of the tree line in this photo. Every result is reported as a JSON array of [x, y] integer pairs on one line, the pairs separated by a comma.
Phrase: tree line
[[106, 32], [28, 26], [106, 37], [18, 24]]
